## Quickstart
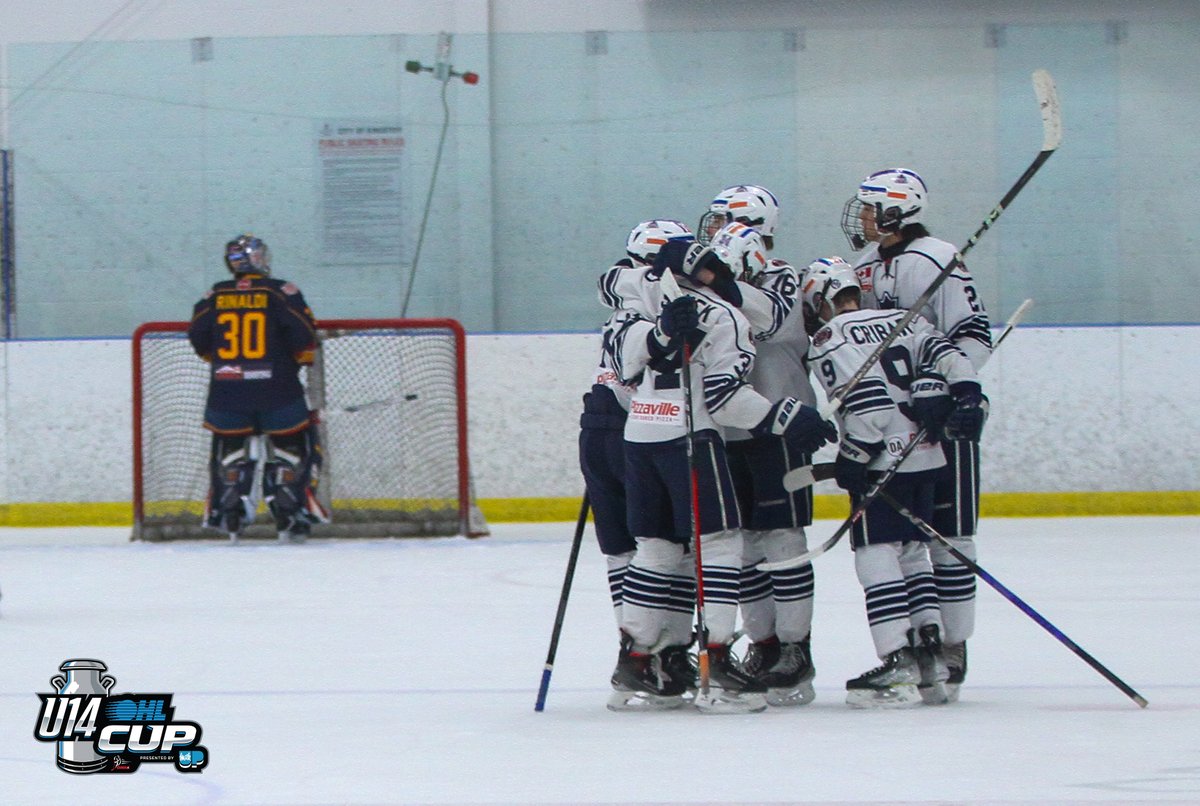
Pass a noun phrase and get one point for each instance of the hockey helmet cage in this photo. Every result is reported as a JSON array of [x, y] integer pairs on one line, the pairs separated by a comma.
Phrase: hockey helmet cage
[[246, 254], [648, 237], [752, 205], [741, 249], [896, 196], [823, 280]]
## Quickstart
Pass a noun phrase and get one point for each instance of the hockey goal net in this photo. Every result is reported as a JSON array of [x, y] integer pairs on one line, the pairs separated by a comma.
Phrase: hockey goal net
[[391, 394]]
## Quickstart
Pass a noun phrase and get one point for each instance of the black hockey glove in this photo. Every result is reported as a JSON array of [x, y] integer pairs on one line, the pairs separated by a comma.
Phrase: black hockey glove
[[850, 468], [932, 404], [970, 412], [670, 256], [678, 319], [800, 426]]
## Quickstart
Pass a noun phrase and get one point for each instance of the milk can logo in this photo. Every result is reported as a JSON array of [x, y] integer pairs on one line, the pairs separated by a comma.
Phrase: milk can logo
[[98, 731]]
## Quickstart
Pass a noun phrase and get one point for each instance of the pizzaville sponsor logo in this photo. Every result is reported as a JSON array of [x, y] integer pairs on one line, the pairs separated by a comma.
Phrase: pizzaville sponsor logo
[[662, 408]]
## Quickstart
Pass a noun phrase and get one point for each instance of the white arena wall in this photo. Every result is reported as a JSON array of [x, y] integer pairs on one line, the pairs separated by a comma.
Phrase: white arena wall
[[1085, 420]]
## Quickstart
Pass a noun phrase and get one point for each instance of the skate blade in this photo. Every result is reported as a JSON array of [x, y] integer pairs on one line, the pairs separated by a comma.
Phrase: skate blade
[[934, 694], [900, 696], [640, 701], [802, 694], [718, 701]]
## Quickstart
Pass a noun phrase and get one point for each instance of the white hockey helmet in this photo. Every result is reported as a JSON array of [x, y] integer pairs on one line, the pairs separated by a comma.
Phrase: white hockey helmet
[[741, 249], [648, 237], [895, 195], [752, 205], [823, 279]]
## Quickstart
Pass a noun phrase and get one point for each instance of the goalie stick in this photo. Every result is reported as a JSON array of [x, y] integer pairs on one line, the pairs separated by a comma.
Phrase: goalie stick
[[861, 505], [1047, 97], [934, 534]]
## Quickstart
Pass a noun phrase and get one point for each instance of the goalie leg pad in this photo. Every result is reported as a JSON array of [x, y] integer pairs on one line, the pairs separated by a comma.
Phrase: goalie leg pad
[[231, 476], [290, 481]]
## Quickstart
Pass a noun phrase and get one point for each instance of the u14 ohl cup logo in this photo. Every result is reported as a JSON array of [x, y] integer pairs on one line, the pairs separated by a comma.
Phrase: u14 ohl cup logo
[[98, 731]]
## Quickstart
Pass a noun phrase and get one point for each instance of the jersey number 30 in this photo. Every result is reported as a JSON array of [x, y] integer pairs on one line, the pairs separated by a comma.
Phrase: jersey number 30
[[244, 335]]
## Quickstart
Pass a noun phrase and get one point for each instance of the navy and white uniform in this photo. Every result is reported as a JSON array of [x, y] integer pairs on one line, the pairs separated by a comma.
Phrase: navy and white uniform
[[895, 277], [876, 423]]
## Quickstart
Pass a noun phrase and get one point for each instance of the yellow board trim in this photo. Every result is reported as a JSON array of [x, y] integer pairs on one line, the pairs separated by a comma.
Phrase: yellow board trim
[[522, 510]]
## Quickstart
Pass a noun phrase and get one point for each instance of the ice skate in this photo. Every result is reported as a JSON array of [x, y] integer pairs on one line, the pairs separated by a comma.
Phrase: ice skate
[[678, 670], [789, 681], [931, 660], [636, 682], [761, 656], [893, 684], [730, 690], [956, 665]]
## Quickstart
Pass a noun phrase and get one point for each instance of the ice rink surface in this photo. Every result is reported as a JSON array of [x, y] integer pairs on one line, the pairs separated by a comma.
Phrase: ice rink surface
[[405, 671]]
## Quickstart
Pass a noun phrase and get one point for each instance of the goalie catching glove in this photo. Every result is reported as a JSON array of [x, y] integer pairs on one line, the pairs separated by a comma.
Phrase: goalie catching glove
[[800, 426]]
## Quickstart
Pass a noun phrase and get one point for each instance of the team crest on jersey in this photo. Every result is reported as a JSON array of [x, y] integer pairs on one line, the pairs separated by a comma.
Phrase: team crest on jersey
[[823, 335], [290, 288]]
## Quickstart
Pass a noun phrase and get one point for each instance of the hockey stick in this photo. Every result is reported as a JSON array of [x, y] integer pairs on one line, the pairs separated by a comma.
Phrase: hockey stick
[[671, 290], [876, 488], [1047, 97], [568, 578], [933, 534]]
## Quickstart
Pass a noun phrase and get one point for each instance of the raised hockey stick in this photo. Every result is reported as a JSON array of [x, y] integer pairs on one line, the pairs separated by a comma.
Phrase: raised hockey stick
[[671, 290], [1047, 97], [933, 534], [876, 488], [568, 578]]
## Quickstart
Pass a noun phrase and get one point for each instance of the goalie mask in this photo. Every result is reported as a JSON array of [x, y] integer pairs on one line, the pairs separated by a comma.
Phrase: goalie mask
[[647, 238], [246, 254], [823, 280], [886, 201], [751, 205]]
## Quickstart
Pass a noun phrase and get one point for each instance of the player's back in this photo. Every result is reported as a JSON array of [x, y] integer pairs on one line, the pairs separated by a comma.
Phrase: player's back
[[879, 408]]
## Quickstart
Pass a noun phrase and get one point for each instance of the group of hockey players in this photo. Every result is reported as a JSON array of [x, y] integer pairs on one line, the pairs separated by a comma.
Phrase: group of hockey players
[[701, 405]]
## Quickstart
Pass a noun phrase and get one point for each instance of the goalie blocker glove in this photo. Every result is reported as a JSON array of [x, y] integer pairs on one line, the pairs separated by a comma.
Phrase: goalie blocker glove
[[678, 319], [970, 412], [800, 426], [850, 469]]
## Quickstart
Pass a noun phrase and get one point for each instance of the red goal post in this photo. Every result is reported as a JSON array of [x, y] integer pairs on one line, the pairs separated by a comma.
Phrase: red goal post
[[392, 401]]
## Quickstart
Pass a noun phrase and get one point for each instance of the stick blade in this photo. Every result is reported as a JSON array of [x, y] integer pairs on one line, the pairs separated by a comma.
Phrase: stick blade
[[1047, 96]]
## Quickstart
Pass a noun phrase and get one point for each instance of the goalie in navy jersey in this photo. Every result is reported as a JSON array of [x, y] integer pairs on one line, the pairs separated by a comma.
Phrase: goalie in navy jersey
[[922, 380], [256, 332], [899, 262]]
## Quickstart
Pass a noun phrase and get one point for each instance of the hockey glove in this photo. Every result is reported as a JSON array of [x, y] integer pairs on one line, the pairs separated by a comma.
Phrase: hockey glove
[[800, 426], [670, 256], [678, 319], [970, 412], [932, 404], [850, 469]]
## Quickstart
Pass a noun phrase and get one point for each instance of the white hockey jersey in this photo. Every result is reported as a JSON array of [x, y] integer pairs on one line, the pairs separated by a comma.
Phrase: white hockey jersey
[[878, 410], [720, 368], [896, 276], [779, 369]]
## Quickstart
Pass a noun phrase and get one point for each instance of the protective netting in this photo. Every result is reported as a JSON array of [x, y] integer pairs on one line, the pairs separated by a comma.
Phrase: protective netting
[[392, 399]]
